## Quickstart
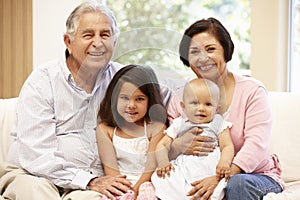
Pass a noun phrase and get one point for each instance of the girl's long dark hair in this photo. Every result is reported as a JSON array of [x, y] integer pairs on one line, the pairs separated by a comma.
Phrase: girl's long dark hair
[[143, 78]]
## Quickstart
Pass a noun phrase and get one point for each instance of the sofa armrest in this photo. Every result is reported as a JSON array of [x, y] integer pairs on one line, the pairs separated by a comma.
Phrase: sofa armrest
[[7, 114]]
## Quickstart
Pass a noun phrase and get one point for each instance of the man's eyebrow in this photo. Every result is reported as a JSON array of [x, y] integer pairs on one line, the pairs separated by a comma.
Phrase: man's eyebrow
[[88, 30], [107, 31]]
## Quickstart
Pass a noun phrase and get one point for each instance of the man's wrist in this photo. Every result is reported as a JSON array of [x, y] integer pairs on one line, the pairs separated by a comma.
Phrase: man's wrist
[[90, 183]]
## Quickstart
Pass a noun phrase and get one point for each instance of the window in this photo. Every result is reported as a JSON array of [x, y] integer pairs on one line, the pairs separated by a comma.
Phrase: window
[[294, 57], [151, 30]]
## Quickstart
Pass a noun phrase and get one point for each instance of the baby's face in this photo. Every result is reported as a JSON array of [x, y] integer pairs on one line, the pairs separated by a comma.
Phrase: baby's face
[[198, 105]]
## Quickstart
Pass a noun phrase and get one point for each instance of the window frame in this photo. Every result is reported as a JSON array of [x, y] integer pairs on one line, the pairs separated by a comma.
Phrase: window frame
[[293, 81]]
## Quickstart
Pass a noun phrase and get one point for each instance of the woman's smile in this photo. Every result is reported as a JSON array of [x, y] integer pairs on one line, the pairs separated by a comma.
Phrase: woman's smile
[[206, 67]]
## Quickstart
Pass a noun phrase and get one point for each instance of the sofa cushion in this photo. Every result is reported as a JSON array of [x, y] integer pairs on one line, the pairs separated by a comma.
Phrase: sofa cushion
[[284, 142], [7, 107], [286, 132]]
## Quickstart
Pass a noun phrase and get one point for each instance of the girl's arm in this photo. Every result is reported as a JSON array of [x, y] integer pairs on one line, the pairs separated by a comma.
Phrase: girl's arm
[[151, 163], [106, 150]]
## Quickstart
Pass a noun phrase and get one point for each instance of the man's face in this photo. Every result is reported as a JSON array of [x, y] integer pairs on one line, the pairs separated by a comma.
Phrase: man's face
[[93, 42]]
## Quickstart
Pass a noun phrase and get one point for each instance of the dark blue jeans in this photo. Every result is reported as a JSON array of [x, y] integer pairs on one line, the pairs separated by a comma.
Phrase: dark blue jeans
[[250, 187]]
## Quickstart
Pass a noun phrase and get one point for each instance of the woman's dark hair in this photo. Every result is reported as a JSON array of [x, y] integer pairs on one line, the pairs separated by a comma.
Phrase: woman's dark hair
[[211, 26], [144, 79]]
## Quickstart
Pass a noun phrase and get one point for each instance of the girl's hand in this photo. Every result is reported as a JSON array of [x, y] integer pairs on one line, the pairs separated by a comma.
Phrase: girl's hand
[[163, 171], [192, 143], [136, 191], [203, 188]]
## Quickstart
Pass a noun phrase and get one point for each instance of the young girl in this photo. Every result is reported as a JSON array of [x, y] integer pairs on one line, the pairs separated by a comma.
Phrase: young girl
[[132, 120]]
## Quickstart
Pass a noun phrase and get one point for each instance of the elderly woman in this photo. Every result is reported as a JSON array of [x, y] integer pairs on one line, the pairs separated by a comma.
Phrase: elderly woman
[[206, 47]]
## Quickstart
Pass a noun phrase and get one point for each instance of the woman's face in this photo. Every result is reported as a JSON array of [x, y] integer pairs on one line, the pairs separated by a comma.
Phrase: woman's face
[[206, 56]]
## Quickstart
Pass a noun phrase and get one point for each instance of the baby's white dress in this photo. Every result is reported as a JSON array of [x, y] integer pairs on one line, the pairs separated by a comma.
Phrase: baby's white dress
[[189, 168]]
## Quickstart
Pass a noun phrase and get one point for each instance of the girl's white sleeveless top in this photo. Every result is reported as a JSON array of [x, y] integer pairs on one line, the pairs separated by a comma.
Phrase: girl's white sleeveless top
[[131, 154]]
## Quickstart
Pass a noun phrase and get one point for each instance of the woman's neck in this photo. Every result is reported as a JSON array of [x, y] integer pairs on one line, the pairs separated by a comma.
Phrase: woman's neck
[[226, 84]]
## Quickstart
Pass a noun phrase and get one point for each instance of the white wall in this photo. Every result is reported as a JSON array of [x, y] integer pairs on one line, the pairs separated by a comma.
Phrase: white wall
[[49, 18], [269, 37], [269, 43]]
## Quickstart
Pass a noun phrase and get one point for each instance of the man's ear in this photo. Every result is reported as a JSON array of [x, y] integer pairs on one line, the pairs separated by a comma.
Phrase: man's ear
[[115, 42], [182, 104], [218, 108], [67, 42]]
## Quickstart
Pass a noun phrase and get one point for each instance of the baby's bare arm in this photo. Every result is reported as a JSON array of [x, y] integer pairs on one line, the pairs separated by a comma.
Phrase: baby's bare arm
[[162, 151], [163, 161], [227, 154]]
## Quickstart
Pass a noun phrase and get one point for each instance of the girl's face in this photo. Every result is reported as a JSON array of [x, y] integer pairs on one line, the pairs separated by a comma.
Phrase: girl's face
[[132, 104], [206, 56]]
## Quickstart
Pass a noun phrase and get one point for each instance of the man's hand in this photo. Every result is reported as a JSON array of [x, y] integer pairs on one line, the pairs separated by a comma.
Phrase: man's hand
[[110, 185]]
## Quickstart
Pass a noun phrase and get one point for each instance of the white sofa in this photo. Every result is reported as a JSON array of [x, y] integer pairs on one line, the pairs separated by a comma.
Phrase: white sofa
[[285, 138]]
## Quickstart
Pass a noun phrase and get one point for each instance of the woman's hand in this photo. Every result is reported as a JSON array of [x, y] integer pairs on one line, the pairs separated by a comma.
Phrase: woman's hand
[[110, 185], [203, 188], [192, 143]]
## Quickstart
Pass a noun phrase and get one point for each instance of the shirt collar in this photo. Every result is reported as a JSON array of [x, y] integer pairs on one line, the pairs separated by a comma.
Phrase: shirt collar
[[69, 78], [66, 72]]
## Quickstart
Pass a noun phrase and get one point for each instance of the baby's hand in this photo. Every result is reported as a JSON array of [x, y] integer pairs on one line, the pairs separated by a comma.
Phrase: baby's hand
[[223, 171], [163, 171]]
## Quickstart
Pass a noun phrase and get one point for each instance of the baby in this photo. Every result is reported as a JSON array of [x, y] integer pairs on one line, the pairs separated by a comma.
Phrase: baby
[[200, 104]]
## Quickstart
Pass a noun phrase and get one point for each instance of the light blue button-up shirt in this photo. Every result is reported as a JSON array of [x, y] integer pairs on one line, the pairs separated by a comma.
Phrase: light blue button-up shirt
[[54, 131]]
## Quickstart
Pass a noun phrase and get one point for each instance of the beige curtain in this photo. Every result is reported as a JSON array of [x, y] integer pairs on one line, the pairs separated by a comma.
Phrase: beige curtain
[[15, 45]]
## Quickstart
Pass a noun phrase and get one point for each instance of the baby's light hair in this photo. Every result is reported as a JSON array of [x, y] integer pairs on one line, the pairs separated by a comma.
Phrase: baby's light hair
[[213, 88]]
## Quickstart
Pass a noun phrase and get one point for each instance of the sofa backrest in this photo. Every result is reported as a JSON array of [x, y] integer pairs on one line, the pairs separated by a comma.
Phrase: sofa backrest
[[285, 130], [285, 139]]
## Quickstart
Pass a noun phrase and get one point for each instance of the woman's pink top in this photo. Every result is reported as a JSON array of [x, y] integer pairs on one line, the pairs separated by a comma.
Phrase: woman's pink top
[[250, 114]]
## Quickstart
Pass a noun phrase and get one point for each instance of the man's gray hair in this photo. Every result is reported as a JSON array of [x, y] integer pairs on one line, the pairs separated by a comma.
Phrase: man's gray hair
[[87, 7]]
